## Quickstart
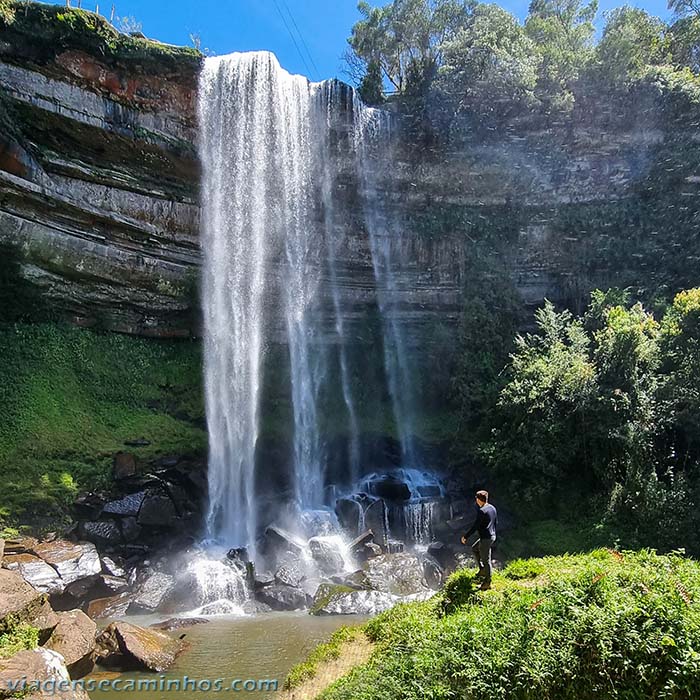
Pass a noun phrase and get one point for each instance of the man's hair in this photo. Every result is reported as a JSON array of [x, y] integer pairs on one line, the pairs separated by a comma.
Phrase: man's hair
[[483, 496]]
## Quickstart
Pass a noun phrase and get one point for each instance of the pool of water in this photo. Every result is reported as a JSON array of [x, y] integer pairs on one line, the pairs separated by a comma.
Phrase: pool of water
[[229, 649]]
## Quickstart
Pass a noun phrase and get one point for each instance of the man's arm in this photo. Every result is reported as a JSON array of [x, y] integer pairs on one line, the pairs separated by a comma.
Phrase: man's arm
[[472, 529]]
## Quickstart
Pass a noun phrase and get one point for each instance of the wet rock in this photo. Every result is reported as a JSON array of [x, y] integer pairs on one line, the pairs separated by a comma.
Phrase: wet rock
[[443, 555], [131, 530], [315, 523], [110, 567], [100, 532], [128, 506], [280, 597], [35, 571], [238, 554], [388, 487], [341, 600], [127, 646], [157, 510], [74, 638], [20, 545], [72, 561], [348, 512], [177, 623], [361, 540], [399, 574], [111, 606], [46, 674], [291, 573], [433, 573], [276, 543], [88, 506], [327, 555], [45, 621], [78, 592], [123, 466], [153, 592], [19, 601], [263, 579], [375, 519], [113, 583], [395, 546]]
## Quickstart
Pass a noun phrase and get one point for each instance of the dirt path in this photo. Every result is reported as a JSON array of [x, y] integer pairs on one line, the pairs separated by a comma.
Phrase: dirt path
[[353, 653]]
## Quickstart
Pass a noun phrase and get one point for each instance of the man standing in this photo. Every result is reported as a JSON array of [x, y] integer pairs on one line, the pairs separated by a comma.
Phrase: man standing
[[485, 525]]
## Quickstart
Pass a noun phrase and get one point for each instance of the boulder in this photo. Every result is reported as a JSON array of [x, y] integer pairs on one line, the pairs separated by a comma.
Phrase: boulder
[[348, 511], [19, 601], [112, 606], [127, 646], [124, 507], [177, 623], [399, 574], [35, 571], [280, 597], [157, 510], [291, 573], [443, 555], [327, 555], [123, 466], [100, 532], [74, 639], [73, 561], [113, 583], [153, 592], [388, 487], [433, 573], [20, 545], [45, 621], [341, 600], [131, 530], [109, 566], [375, 519], [276, 543], [42, 674]]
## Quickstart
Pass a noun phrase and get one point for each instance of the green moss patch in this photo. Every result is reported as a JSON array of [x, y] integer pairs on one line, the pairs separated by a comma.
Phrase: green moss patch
[[18, 638], [70, 398]]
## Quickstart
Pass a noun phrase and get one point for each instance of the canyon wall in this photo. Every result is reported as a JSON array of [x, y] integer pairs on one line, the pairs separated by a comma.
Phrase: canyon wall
[[99, 194]]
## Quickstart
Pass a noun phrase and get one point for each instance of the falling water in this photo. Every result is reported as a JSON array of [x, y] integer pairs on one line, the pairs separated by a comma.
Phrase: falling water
[[372, 143], [269, 238]]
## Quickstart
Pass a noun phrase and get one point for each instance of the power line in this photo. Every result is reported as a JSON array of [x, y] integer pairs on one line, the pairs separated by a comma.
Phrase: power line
[[301, 36], [301, 55], [286, 24]]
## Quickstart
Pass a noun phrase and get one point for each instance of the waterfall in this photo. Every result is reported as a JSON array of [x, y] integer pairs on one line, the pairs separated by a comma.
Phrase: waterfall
[[269, 236], [374, 156]]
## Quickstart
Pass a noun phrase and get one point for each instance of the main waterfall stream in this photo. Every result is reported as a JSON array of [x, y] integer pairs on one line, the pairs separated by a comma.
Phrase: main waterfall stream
[[271, 240]]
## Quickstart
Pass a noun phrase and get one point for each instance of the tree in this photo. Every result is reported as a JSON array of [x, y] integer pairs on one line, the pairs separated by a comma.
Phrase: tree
[[683, 8], [371, 87], [632, 41], [490, 65], [563, 32], [404, 38]]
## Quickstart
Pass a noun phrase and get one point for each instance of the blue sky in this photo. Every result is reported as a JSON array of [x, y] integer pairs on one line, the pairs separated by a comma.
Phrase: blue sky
[[244, 25]]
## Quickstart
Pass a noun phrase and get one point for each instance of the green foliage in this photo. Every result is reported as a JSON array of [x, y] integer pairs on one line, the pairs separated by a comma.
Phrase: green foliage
[[524, 568], [371, 88], [321, 654], [632, 41], [69, 398], [54, 28], [602, 625], [18, 638], [607, 405], [489, 65], [563, 32]]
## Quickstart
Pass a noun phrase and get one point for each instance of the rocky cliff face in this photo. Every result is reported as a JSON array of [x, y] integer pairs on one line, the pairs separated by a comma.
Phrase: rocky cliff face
[[98, 172], [99, 193]]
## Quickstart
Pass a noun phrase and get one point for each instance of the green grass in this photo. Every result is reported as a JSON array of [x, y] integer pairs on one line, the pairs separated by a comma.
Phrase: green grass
[[323, 652], [18, 638], [597, 626], [70, 398]]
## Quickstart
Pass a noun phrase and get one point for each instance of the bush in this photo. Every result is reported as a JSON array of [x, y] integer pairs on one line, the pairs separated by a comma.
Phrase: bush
[[603, 625]]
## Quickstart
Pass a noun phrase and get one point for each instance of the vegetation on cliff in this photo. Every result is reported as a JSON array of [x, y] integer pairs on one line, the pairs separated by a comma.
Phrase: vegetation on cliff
[[602, 625], [41, 32], [70, 398], [456, 66]]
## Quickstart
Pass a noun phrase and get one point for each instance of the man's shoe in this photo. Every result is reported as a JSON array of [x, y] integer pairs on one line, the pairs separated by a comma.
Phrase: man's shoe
[[485, 586]]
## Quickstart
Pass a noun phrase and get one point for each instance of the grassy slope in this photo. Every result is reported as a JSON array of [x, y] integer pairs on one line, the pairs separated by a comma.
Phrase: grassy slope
[[69, 398], [595, 626]]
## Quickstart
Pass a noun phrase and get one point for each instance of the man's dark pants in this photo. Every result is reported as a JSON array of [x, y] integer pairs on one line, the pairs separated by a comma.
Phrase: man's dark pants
[[482, 553]]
